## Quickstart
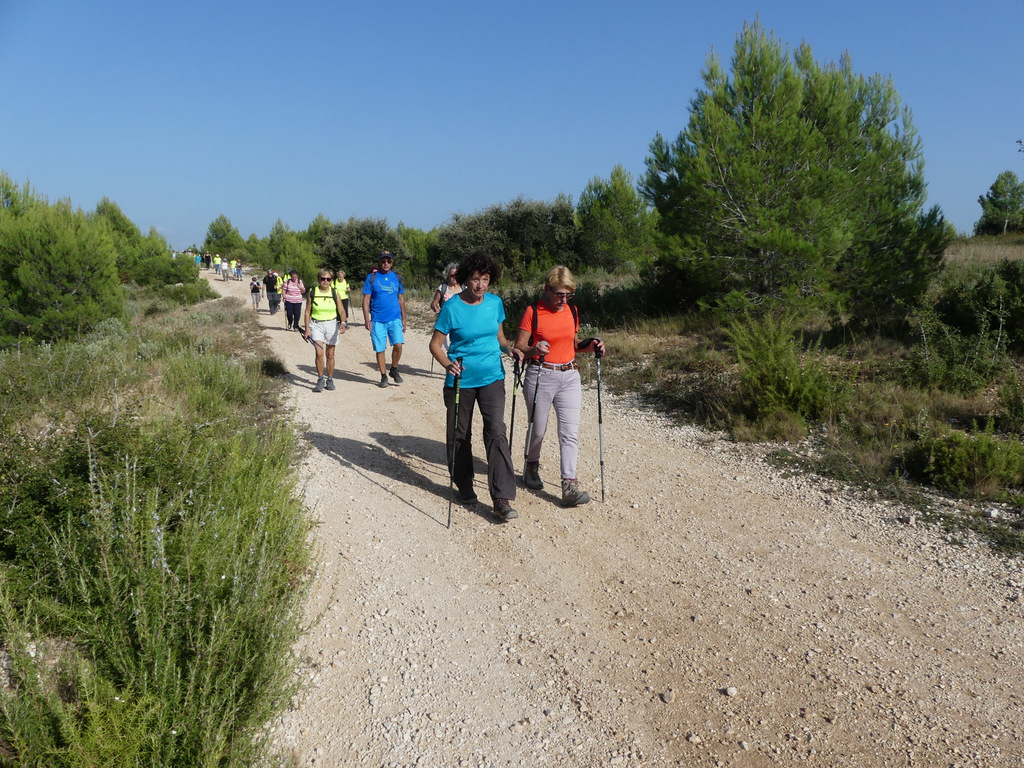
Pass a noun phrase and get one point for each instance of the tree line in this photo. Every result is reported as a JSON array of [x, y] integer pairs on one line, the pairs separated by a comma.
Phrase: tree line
[[794, 182]]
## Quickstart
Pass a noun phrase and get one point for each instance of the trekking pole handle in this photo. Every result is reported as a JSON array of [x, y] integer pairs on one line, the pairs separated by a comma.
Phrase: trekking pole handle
[[592, 340]]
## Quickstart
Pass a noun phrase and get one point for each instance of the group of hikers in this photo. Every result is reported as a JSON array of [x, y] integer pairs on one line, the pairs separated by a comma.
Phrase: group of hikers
[[468, 341]]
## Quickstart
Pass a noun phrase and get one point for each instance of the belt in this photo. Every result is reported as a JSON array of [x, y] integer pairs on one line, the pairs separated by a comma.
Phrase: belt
[[553, 366]]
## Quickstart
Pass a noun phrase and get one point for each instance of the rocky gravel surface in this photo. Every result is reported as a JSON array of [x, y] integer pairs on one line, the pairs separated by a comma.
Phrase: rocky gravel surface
[[713, 610]]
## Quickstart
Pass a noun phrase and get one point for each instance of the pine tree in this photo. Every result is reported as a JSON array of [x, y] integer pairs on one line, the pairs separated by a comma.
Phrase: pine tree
[[794, 179]]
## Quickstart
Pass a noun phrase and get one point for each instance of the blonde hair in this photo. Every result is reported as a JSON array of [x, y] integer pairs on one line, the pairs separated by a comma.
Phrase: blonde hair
[[325, 273], [560, 277]]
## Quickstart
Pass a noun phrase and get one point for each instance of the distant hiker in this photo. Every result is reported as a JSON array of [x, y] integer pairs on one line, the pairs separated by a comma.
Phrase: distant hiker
[[384, 314], [273, 294], [449, 287], [472, 321], [325, 319], [293, 292], [216, 264], [548, 336], [255, 291], [340, 284]]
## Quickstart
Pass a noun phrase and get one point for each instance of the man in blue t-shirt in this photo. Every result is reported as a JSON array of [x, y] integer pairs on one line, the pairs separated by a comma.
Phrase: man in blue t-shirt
[[384, 314]]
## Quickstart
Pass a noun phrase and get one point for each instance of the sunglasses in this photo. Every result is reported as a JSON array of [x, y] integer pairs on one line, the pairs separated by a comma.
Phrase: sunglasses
[[562, 294]]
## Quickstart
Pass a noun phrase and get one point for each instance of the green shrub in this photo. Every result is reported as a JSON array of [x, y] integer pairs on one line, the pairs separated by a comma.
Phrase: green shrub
[[58, 274], [1011, 396], [775, 374], [944, 357], [978, 464], [156, 563]]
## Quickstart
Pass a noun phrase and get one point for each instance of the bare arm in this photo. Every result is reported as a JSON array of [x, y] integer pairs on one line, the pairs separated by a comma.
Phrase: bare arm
[[523, 345], [504, 346], [437, 350]]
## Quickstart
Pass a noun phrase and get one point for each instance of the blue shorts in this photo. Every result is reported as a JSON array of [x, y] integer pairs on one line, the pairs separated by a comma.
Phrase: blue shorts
[[382, 333]]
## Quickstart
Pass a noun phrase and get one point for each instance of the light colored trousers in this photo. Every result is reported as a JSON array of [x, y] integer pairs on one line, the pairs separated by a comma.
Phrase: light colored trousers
[[562, 390]]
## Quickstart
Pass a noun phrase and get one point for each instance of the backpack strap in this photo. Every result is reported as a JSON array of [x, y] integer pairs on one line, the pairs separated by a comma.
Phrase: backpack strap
[[575, 321], [334, 297]]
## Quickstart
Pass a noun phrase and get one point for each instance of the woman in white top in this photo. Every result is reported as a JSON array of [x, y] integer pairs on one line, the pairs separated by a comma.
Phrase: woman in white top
[[450, 287]]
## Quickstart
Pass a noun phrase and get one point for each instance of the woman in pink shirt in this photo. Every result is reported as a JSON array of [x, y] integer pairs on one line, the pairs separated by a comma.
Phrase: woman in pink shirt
[[294, 292]]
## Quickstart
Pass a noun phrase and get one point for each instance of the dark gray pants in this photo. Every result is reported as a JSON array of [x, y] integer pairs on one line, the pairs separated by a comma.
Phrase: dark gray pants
[[501, 478]]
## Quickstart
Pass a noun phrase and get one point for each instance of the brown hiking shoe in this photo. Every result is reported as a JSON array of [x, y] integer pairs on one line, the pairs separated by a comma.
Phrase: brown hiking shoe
[[503, 509], [572, 494]]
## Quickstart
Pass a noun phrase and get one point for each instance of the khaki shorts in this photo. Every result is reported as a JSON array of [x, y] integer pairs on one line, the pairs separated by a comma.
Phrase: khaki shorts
[[324, 331]]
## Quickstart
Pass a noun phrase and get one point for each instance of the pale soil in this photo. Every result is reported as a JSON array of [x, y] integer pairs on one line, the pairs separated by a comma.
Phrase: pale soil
[[711, 611]]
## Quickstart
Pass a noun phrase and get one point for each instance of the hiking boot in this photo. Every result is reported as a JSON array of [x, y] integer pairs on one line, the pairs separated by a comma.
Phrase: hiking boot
[[321, 382], [396, 376], [503, 509], [572, 494], [383, 381], [531, 476], [329, 384], [468, 499]]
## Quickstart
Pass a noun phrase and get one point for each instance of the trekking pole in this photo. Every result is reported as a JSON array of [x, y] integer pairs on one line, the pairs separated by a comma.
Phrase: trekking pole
[[516, 377], [533, 412], [600, 426], [455, 436]]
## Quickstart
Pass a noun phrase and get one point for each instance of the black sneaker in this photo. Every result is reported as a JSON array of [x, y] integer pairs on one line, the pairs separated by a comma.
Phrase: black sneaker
[[503, 509], [383, 381], [396, 376], [468, 500], [329, 384]]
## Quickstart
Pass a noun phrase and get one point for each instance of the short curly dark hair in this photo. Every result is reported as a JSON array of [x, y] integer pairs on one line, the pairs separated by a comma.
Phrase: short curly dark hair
[[478, 261]]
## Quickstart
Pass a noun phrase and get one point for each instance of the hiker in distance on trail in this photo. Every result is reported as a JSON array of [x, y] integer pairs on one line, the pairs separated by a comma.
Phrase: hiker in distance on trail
[[472, 321], [293, 291], [384, 314], [548, 336], [325, 320]]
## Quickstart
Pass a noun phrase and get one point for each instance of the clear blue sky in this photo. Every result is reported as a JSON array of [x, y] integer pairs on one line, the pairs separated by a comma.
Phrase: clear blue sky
[[183, 111]]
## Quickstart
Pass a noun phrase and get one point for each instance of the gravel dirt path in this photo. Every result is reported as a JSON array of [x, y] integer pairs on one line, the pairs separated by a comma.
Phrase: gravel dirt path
[[713, 611]]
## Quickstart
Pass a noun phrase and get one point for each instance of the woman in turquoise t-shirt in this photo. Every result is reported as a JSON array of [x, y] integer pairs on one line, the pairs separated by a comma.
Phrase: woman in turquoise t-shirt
[[472, 321]]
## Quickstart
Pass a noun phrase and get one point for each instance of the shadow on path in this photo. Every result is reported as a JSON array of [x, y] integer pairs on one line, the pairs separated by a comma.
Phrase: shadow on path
[[394, 456]]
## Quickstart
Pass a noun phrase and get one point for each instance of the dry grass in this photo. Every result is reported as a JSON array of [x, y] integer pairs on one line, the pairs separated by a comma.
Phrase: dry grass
[[986, 251]]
